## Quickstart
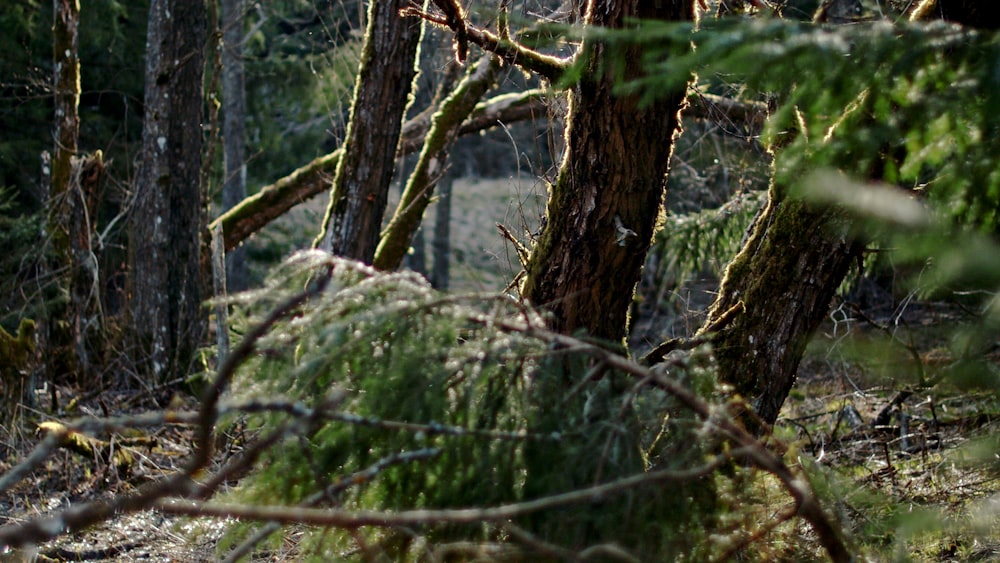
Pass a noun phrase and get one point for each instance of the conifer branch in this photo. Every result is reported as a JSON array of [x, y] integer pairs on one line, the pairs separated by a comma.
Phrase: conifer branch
[[751, 449]]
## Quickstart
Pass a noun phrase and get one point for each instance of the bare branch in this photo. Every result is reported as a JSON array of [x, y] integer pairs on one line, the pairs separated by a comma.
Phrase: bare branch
[[512, 52]]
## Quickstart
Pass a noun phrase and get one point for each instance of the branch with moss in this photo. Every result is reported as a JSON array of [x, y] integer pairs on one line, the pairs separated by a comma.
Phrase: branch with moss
[[272, 201], [432, 164]]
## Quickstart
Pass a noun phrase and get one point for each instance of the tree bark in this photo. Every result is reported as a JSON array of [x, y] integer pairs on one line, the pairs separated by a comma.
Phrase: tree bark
[[65, 40], [361, 185], [62, 206], [441, 242], [610, 187], [167, 221], [72, 206], [772, 297], [234, 189]]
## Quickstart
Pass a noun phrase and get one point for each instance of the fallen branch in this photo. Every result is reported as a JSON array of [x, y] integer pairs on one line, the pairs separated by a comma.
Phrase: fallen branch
[[77, 517]]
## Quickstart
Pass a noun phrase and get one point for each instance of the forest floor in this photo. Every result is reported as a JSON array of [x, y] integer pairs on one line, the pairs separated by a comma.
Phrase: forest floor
[[859, 414]]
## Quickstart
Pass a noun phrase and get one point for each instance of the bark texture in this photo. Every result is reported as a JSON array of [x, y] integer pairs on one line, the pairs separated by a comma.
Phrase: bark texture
[[65, 40], [609, 191], [74, 196], [361, 185], [167, 221], [64, 346], [773, 296]]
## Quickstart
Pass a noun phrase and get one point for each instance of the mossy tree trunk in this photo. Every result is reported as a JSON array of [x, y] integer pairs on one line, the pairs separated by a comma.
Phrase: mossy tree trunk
[[65, 40], [168, 217], [778, 288], [58, 341], [610, 187], [361, 184], [72, 205], [773, 296]]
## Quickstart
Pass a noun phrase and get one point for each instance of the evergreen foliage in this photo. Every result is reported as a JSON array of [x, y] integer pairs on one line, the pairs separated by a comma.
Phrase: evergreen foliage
[[909, 104], [300, 63], [390, 367]]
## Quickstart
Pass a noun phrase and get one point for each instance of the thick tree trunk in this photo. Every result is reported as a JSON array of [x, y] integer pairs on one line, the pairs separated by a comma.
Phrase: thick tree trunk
[[609, 192], [234, 189], [361, 185], [167, 221], [773, 296]]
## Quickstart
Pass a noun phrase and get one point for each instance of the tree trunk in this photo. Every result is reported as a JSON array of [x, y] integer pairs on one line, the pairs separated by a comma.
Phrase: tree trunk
[[65, 40], [62, 344], [774, 294], [167, 220], [72, 207], [441, 243], [610, 187], [361, 185], [234, 189]]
